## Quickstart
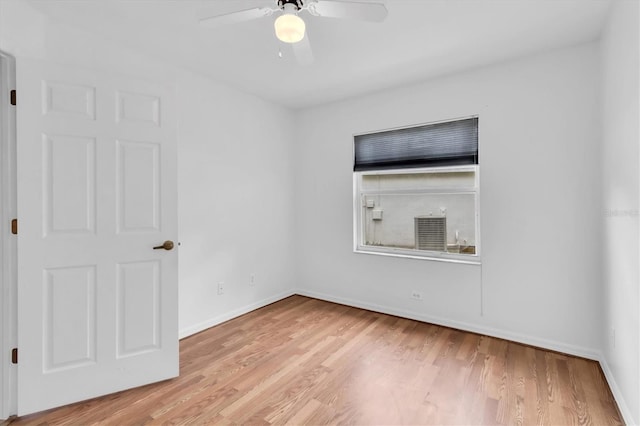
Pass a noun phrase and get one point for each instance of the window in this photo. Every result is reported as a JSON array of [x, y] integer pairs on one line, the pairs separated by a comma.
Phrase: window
[[416, 191]]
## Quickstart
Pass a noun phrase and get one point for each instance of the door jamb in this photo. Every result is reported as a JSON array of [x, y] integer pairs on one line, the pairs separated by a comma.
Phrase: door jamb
[[8, 241]]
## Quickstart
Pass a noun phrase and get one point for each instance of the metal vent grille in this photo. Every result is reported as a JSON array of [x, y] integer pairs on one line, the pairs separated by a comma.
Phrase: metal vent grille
[[431, 233]]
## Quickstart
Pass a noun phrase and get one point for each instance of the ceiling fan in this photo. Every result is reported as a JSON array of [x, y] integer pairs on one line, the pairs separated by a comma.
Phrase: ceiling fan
[[290, 27]]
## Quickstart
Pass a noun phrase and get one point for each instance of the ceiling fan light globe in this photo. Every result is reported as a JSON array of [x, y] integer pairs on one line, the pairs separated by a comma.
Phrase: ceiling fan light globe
[[290, 28]]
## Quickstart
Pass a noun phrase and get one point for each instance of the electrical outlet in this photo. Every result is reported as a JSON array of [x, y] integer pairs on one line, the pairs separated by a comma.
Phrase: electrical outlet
[[416, 295], [220, 287], [252, 280]]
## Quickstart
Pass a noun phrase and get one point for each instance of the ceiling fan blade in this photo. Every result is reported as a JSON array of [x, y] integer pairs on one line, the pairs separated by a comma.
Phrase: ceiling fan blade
[[235, 17], [373, 12], [302, 51]]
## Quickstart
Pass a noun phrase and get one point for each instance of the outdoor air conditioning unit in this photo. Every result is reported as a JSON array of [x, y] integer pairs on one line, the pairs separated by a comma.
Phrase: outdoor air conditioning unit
[[431, 233]]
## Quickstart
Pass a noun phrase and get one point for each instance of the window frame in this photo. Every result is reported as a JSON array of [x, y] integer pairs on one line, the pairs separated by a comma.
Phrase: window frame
[[358, 209]]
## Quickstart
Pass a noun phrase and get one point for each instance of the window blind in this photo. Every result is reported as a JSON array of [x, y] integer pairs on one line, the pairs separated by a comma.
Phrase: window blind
[[453, 143]]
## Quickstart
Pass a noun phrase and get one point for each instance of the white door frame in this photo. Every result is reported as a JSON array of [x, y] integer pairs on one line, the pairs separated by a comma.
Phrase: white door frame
[[8, 241]]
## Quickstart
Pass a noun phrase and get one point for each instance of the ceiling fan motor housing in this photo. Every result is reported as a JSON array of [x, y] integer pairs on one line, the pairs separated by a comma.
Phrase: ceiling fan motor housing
[[297, 3]]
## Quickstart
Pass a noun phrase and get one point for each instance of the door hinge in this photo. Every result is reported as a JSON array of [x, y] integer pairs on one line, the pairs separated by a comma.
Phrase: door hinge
[[13, 97], [14, 226], [14, 356]]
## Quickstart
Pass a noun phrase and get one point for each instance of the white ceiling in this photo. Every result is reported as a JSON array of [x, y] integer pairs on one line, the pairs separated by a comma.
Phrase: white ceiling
[[419, 39]]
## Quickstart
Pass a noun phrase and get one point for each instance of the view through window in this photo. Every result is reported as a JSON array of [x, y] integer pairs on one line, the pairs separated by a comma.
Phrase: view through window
[[417, 191]]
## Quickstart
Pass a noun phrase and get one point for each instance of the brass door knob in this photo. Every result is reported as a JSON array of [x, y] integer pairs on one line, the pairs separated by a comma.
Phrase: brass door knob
[[167, 245]]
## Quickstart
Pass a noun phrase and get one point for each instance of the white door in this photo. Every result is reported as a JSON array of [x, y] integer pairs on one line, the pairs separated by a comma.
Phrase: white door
[[97, 190]]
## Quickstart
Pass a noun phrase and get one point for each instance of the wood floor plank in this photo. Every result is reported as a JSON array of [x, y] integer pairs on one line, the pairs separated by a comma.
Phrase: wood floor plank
[[300, 417], [305, 361]]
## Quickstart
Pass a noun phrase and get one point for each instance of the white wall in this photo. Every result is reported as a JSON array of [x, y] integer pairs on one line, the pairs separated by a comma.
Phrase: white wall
[[236, 203], [621, 196], [539, 192]]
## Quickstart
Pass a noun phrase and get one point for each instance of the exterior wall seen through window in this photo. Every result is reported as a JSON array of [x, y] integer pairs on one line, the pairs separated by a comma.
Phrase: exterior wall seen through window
[[426, 212]]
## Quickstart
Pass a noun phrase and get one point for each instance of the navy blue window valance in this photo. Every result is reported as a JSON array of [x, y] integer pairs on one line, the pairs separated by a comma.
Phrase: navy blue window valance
[[452, 143]]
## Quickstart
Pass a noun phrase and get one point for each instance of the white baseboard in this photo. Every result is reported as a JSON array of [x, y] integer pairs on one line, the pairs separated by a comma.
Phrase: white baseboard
[[474, 328], [627, 417], [196, 328]]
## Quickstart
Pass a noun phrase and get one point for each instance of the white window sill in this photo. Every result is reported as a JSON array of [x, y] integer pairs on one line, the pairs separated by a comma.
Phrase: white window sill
[[449, 258]]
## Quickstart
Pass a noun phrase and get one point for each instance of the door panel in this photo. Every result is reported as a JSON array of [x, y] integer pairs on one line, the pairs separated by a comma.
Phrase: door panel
[[138, 195], [97, 310], [70, 317], [69, 192], [73, 101], [138, 109], [138, 308]]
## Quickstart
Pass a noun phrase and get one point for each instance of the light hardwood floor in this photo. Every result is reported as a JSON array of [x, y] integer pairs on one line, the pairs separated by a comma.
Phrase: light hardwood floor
[[305, 361]]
